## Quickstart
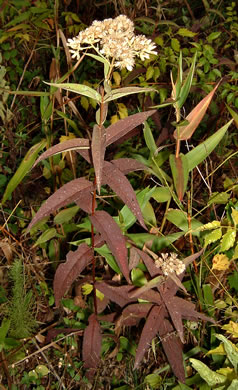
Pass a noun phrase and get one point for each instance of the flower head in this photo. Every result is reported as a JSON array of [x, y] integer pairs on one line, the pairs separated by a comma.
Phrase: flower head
[[169, 263], [115, 40]]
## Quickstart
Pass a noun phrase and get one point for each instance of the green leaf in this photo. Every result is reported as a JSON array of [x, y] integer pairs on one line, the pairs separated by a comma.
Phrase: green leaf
[[211, 377], [210, 226], [149, 72], [66, 215], [175, 44], [120, 92], [5, 325], [233, 280], [106, 253], [213, 237], [23, 169], [149, 139], [219, 198], [234, 214], [46, 236], [138, 278], [200, 153], [42, 370], [228, 240], [161, 194], [185, 89], [233, 385], [233, 114], [214, 35], [180, 219], [80, 89], [231, 350], [184, 32]]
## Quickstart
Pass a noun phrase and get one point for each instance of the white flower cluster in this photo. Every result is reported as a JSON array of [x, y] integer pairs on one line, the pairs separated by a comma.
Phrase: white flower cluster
[[114, 38], [169, 263]]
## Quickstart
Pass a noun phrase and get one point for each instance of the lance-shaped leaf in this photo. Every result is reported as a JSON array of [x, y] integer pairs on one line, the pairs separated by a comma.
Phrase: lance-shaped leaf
[[132, 314], [92, 342], [180, 172], [68, 193], [111, 233], [194, 117], [127, 165], [120, 92], [23, 169], [67, 272], [172, 348], [98, 152], [120, 294], [80, 89], [122, 127], [184, 90], [200, 153], [118, 182], [66, 146], [85, 200], [151, 328], [155, 282]]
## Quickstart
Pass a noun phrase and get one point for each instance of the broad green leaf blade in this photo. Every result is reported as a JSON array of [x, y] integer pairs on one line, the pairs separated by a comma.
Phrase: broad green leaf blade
[[66, 215], [23, 169], [161, 194], [98, 152], [180, 219], [5, 325], [180, 172], [200, 153], [45, 236], [194, 117], [231, 350], [211, 377], [80, 89], [184, 91], [120, 92]]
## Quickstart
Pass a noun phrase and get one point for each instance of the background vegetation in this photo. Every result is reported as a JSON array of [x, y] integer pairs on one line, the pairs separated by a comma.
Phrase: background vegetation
[[41, 345]]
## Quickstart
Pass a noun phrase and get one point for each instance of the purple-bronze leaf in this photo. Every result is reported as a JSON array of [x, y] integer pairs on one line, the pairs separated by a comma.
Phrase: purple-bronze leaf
[[114, 178], [67, 272], [187, 309], [92, 342], [72, 144], [132, 314], [149, 263], [151, 328], [127, 165], [122, 127], [111, 233], [85, 199], [98, 152], [119, 295], [173, 349], [68, 193]]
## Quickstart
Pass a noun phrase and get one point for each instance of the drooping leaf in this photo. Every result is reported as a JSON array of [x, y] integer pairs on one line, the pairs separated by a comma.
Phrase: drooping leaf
[[173, 349], [112, 234], [149, 139], [80, 89], [233, 114], [92, 342], [47, 235], [72, 144], [194, 117], [23, 169], [153, 322], [180, 172], [120, 294], [98, 152], [118, 182], [200, 152], [68, 193], [231, 350], [122, 127], [132, 314], [120, 92]]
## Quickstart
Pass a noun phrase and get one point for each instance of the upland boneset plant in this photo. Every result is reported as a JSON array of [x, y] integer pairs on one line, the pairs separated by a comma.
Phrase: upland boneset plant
[[116, 45]]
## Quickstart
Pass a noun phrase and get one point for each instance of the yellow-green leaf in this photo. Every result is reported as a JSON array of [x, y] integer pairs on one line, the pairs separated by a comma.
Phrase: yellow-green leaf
[[184, 32], [213, 237], [87, 288], [231, 328], [234, 215], [228, 240]]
